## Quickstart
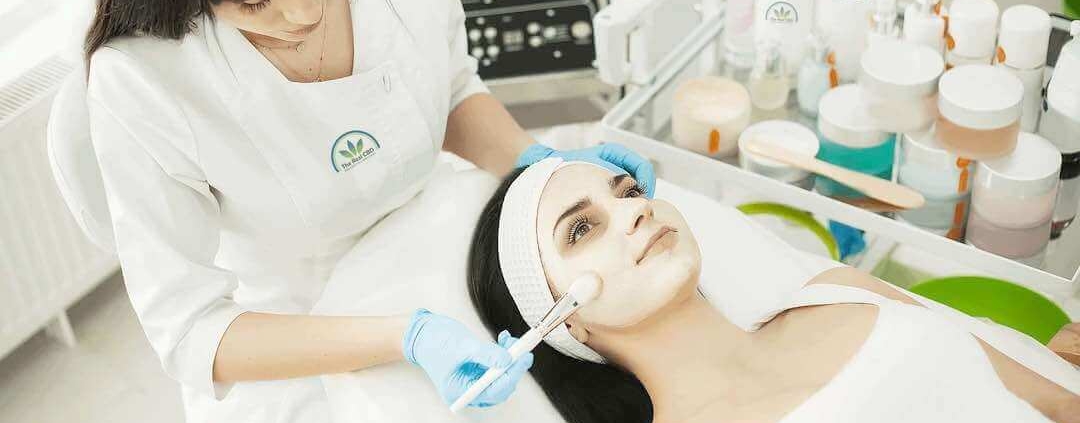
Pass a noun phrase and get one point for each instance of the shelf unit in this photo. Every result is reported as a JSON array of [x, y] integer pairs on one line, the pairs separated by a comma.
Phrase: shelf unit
[[641, 121]]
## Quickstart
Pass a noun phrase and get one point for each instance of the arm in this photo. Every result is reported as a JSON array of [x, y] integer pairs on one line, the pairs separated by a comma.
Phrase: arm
[[1053, 401], [481, 131]]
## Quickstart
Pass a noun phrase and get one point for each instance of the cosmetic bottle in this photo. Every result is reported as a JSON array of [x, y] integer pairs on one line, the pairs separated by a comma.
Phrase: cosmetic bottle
[[1060, 123], [788, 22], [883, 23], [972, 27], [769, 86], [845, 24], [1022, 44], [739, 34], [924, 26], [816, 76]]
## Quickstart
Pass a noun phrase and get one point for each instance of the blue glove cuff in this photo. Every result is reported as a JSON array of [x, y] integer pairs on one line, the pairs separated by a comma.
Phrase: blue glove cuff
[[534, 153], [416, 324]]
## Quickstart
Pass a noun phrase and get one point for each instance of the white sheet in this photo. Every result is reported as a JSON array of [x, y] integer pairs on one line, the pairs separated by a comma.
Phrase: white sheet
[[416, 258]]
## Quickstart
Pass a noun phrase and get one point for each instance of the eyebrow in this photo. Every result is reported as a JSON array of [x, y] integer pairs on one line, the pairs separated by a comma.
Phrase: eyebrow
[[578, 206], [617, 179]]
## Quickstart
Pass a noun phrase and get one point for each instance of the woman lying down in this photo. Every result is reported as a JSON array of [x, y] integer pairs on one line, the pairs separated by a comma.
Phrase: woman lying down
[[843, 348]]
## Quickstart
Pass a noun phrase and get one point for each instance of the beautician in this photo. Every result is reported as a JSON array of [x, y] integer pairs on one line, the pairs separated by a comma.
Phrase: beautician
[[246, 145]]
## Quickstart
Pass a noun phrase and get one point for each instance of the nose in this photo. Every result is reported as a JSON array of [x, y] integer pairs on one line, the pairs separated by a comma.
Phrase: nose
[[641, 211], [303, 12]]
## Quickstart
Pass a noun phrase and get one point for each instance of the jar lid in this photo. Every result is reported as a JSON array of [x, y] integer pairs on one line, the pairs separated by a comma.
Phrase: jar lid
[[1025, 37], [1032, 167], [895, 68], [922, 147], [973, 26], [842, 119], [980, 96], [781, 133]]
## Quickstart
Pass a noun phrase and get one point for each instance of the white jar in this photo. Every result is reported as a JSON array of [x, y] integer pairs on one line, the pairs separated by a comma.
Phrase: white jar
[[708, 114], [1019, 190], [943, 178], [980, 108], [899, 81], [781, 133]]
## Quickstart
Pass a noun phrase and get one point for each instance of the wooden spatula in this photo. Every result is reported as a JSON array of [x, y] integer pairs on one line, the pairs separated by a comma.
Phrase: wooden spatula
[[880, 189]]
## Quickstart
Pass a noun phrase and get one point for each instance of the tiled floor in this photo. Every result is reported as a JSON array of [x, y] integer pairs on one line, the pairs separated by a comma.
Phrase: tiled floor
[[112, 375]]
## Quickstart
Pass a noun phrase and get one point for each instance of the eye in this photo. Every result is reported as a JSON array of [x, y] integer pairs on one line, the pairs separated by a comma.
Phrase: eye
[[578, 229], [633, 191], [249, 7]]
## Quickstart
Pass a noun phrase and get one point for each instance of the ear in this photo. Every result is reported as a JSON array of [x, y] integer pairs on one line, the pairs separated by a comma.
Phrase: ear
[[578, 332]]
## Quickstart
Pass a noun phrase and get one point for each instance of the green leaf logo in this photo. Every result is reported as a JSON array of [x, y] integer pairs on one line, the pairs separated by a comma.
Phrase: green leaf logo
[[346, 153]]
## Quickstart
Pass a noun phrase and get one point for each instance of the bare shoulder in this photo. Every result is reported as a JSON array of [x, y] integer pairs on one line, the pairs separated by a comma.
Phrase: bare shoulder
[[850, 276]]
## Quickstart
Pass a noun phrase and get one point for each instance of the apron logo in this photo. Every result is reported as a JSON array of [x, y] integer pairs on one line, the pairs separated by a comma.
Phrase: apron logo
[[352, 148]]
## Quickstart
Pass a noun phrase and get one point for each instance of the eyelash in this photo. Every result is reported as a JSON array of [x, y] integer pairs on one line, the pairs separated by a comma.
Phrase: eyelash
[[580, 222], [254, 7]]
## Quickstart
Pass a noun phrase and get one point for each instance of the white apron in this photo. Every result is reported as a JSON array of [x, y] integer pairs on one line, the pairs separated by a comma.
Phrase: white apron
[[347, 151]]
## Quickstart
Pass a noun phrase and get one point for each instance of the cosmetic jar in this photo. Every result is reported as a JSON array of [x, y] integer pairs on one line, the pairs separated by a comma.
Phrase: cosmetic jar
[[923, 26], [1013, 197], [942, 177], [1068, 194], [785, 134], [849, 140], [899, 81], [979, 107], [708, 114]]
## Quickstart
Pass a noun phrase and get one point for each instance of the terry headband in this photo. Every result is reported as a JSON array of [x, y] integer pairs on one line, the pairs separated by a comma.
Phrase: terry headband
[[519, 256]]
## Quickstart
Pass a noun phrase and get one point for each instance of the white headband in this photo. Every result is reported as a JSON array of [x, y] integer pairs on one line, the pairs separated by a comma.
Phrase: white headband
[[519, 256]]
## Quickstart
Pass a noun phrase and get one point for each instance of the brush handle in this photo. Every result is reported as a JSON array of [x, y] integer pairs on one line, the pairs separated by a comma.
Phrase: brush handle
[[880, 189], [527, 342]]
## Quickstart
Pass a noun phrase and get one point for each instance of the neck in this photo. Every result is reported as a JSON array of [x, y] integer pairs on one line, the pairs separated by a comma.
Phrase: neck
[[686, 356], [268, 41]]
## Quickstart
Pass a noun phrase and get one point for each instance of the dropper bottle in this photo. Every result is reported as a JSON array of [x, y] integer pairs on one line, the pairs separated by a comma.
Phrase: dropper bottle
[[884, 22], [924, 26], [769, 85], [816, 75]]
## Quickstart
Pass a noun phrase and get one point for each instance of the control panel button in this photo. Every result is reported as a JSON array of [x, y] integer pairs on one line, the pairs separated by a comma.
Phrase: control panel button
[[478, 52], [557, 54], [581, 29], [514, 37], [535, 41], [490, 32], [474, 34], [480, 20], [550, 32], [493, 50], [533, 28]]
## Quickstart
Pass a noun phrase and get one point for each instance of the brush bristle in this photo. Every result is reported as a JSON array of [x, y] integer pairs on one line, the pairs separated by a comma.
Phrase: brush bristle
[[585, 288]]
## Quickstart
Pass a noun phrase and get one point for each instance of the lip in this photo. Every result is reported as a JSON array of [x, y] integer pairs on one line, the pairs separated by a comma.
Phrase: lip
[[660, 233]]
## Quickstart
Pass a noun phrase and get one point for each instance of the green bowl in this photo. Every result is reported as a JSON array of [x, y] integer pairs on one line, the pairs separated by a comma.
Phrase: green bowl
[[797, 217], [1003, 302], [1071, 8]]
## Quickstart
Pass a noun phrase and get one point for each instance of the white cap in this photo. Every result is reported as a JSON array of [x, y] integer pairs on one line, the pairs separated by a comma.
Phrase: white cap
[[898, 69], [842, 119], [1031, 169], [1025, 36], [973, 26], [980, 97], [782, 133]]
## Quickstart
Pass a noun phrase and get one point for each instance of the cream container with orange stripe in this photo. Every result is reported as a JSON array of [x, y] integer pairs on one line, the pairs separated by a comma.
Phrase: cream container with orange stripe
[[708, 115], [1022, 45]]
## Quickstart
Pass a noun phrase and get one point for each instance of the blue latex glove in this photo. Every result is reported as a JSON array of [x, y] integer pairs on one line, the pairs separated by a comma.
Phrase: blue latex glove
[[615, 157], [454, 358]]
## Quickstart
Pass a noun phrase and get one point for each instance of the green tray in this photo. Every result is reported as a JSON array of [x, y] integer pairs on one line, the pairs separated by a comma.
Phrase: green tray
[[1003, 302]]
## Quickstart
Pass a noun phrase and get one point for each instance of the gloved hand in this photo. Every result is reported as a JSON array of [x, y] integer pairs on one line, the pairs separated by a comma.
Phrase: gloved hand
[[615, 157], [454, 358]]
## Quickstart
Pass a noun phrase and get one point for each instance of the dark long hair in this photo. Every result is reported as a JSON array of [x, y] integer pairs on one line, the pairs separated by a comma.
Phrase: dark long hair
[[582, 391], [169, 19]]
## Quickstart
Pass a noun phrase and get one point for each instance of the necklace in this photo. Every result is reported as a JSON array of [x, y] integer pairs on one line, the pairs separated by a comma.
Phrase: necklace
[[299, 49]]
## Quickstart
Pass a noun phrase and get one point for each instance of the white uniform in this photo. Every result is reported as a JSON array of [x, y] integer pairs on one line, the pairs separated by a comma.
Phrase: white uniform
[[232, 189]]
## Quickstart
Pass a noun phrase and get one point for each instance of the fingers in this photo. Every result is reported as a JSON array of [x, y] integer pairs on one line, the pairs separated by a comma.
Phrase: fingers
[[631, 162], [504, 386], [491, 355]]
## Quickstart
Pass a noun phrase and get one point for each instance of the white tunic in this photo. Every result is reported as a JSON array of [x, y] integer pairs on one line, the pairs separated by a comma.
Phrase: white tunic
[[232, 189]]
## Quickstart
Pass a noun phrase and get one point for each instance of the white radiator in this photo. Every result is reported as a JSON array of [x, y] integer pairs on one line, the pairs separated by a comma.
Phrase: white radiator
[[46, 263]]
